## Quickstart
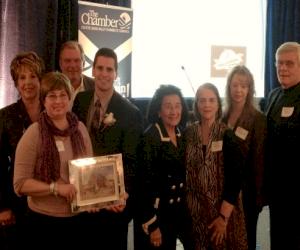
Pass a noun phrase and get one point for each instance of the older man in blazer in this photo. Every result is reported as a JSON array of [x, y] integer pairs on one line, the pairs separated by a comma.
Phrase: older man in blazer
[[71, 63], [118, 128]]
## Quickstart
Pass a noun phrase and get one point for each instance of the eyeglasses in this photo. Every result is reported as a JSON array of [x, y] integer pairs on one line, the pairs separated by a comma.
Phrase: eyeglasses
[[53, 97], [288, 64]]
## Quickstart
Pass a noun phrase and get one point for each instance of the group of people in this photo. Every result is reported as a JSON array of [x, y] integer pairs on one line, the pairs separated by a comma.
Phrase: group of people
[[39, 135], [202, 182]]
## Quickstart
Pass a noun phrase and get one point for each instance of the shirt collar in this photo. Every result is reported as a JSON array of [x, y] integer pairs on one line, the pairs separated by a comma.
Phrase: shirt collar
[[104, 104], [163, 132], [77, 90]]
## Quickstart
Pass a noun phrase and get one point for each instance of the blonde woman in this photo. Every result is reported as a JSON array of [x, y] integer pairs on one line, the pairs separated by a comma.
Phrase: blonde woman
[[250, 127]]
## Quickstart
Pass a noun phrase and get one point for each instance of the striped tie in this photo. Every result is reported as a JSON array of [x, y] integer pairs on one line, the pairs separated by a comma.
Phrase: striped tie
[[96, 117]]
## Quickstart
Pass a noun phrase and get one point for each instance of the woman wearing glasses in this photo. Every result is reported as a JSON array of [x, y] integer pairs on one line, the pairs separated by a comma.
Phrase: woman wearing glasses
[[41, 165]]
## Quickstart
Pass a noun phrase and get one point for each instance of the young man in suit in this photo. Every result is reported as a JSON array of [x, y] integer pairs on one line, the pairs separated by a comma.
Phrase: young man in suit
[[118, 132]]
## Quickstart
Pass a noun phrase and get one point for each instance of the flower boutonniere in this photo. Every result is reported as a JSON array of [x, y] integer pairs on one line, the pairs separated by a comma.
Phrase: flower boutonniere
[[108, 120]]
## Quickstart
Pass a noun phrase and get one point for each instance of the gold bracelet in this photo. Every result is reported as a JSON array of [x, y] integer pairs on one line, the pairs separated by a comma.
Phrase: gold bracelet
[[55, 189]]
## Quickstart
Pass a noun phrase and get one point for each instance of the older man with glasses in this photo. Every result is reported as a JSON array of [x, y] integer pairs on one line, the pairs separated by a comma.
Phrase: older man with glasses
[[283, 170]]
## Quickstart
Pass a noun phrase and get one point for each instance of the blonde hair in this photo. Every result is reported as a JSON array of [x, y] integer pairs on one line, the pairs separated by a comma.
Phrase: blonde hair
[[244, 71]]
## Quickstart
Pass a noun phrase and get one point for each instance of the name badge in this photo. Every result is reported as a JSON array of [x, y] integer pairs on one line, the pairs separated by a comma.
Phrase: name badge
[[287, 111], [216, 146], [241, 133], [60, 146]]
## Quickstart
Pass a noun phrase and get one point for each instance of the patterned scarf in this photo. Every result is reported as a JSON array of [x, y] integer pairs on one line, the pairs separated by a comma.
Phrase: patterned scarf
[[48, 163]]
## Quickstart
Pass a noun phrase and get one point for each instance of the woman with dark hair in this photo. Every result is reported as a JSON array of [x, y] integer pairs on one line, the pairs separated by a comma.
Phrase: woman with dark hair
[[250, 127], [213, 164], [41, 165], [26, 69], [161, 175]]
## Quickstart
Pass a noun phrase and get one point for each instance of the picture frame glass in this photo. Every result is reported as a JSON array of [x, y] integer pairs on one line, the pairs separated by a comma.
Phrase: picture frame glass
[[99, 181]]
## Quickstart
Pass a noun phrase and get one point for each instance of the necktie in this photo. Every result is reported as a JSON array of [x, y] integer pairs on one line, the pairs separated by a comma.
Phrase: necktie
[[96, 116]]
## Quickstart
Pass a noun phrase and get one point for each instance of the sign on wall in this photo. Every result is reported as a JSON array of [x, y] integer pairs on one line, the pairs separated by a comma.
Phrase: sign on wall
[[107, 26], [224, 58]]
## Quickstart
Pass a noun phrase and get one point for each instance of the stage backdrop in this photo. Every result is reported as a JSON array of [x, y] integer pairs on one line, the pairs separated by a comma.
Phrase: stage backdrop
[[107, 26]]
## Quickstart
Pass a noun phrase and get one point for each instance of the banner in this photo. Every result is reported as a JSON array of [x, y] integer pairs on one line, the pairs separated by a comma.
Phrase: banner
[[107, 26]]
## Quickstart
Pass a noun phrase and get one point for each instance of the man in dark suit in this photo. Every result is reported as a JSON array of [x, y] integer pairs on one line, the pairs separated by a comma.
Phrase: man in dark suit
[[282, 168], [71, 63], [118, 132]]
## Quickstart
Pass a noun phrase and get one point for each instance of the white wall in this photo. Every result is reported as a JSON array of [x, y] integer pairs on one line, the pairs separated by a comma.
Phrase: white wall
[[169, 34]]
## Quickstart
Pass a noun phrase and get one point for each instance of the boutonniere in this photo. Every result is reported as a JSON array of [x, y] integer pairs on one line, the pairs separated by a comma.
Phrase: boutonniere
[[108, 120]]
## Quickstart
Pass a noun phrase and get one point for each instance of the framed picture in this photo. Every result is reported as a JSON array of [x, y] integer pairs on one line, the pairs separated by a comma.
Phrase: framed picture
[[99, 181]]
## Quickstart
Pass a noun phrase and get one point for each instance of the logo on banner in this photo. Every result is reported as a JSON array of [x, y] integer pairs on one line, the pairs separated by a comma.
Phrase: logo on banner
[[92, 20]]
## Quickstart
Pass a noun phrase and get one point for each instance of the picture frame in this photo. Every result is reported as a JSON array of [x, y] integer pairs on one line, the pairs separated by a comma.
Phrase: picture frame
[[99, 182]]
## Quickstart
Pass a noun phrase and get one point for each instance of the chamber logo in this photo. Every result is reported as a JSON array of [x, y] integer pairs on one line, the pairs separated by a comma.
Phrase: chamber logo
[[125, 21], [92, 20]]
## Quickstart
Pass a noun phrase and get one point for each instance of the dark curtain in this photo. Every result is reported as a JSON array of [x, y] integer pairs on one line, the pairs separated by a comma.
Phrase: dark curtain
[[41, 26], [123, 3], [283, 24]]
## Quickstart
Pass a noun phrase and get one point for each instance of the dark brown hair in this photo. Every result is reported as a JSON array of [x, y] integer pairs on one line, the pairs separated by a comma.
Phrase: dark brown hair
[[107, 52], [156, 102]]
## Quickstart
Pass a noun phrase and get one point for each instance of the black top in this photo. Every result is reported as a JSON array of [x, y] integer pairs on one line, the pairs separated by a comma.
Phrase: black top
[[161, 172], [14, 120], [283, 146]]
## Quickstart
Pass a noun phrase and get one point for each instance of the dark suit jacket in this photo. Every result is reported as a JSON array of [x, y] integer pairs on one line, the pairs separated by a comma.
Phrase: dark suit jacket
[[122, 137], [88, 83], [253, 150]]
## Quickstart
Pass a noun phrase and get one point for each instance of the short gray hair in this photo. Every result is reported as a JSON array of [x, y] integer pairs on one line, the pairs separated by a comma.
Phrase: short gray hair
[[289, 47]]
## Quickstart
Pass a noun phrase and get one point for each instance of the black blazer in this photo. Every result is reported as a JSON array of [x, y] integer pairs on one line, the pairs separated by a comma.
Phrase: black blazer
[[88, 83], [122, 137], [161, 173]]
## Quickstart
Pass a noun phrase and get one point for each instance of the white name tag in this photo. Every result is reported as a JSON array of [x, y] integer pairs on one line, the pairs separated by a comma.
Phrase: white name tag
[[60, 146], [241, 133], [216, 146], [287, 111]]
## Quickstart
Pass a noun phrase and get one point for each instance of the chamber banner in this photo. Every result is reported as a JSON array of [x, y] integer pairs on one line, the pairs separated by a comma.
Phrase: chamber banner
[[107, 26]]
